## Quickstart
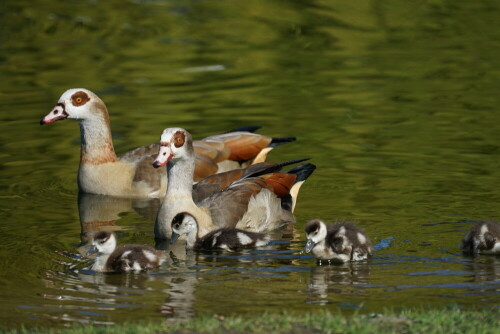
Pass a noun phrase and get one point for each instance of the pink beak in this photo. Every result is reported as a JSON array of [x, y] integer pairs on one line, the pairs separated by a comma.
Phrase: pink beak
[[57, 114], [164, 156]]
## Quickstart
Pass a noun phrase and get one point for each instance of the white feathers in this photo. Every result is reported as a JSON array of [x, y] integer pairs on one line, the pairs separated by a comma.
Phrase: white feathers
[[361, 238], [244, 239], [149, 255]]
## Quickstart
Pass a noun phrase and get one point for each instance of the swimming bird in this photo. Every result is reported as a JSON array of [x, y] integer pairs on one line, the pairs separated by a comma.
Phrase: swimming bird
[[339, 242], [131, 175], [482, 238], [229, 239], [258, 199], [124, 258]]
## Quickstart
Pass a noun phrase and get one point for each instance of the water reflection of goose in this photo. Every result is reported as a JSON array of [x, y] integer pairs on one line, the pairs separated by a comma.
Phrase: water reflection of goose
[[249, 202], [482, 238], [339, 242], [340, 279], [131, 175], [100, 213]]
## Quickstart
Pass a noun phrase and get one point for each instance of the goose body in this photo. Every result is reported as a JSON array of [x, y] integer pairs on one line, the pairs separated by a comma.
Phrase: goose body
[[229, 239], [338, 242], [125, 258], [256, 199], [131, 175], [482, 238]]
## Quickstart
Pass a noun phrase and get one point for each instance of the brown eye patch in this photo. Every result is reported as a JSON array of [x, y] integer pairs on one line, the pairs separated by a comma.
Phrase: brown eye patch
[[79, 98], [179, 138]]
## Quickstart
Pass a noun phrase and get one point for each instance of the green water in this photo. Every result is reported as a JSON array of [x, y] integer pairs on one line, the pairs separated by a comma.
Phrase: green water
[[396, 102]]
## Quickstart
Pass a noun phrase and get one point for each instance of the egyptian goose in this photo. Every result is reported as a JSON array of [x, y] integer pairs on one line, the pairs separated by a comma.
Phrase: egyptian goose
[[482, 238], [252, 201], [227, 238], [125, 258], [339, 242], [131, 175]]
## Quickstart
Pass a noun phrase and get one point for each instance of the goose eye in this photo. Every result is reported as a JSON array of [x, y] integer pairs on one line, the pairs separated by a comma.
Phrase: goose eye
[[78, 100]]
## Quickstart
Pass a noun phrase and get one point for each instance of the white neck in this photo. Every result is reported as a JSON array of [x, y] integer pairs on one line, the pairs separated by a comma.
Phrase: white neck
[[191, 238], [179, 196], [96, 141], [180, 176], [100, 262]]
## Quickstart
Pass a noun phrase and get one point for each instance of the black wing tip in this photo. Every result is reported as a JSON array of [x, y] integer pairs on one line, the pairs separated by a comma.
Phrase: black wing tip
[[292, 162], [303, 171], [276, 141]]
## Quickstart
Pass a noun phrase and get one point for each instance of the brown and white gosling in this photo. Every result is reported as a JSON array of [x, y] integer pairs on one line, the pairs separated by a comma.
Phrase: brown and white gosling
[[339, 242], [482, 238], [229, 239], [124, 258]]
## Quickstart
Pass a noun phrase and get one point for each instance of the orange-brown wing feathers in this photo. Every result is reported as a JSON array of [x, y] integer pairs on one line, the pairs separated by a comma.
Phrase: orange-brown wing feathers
[[212, 149], [281, 183], [243, 145], [204, 167]]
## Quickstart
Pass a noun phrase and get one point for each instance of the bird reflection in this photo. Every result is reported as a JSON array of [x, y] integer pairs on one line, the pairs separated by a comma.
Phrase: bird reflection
[[484, 268], [100, 213], [338, 279]]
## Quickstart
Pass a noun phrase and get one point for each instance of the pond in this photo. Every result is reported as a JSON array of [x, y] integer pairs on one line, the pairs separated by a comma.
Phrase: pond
[[395, 102]]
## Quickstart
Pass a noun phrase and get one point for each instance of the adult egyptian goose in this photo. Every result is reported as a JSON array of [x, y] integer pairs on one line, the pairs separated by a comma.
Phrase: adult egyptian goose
[[258, 199], [131, 175], [124, 258], [482, 238], [339, 242], [227, 238]]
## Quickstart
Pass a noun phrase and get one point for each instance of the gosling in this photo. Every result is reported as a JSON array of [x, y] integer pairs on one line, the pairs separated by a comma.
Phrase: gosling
[[339, 242], [124, 258], [482, 238], [229, 239]]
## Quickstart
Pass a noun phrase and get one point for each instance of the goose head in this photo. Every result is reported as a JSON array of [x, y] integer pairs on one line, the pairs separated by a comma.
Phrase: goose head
[[183, 223], [104, 243], [175, 144], [79, 104], [315, 233]]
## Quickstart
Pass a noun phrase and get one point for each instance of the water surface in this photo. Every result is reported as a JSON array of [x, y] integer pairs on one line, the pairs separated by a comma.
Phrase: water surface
[[395, 102]]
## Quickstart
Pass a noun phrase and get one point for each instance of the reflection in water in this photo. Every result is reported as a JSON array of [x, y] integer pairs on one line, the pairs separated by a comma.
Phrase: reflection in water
[[484, 268], [100, 213], [388, 99], [340, 279]]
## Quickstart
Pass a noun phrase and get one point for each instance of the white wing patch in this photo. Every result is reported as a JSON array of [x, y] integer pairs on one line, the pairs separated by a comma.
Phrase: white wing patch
[[149, 255], [125, 254], [137, 266], [244, 239], [361, 238]]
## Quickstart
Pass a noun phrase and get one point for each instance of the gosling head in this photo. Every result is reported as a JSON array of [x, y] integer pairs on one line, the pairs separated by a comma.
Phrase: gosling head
[[315, 233], [183, 223], [104, 242]]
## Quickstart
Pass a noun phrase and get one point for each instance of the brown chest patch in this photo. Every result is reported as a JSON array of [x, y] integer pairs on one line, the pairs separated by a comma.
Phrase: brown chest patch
[[79, 98]]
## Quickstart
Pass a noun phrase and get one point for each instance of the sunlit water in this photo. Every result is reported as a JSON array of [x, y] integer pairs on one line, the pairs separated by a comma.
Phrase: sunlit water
[[395, 102]]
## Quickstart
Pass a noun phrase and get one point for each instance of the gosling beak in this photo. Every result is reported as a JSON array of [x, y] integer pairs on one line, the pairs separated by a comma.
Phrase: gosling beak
[[309, 245], [92, 250], [174, 237], [164, 156], [57, 114]]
